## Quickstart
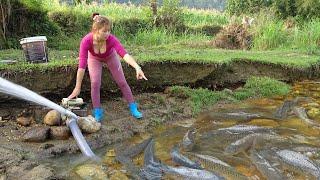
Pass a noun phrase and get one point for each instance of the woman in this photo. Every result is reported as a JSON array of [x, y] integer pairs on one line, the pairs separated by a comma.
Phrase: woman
[[96, 48]]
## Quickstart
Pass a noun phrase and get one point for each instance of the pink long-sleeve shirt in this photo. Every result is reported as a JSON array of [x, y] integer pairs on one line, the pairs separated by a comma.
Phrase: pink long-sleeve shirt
[[86, 46]]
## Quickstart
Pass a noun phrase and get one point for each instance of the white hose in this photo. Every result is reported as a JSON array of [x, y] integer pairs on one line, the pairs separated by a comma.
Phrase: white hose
[[26, 94], [82, 144]]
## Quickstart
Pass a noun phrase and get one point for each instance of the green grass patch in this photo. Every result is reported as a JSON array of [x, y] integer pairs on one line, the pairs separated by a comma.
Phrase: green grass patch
[[56, 59], [201, 17], [255, 87], [177, 53], [307, 37]]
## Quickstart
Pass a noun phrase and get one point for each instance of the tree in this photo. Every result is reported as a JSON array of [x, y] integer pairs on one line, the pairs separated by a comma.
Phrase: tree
[[5, 8]]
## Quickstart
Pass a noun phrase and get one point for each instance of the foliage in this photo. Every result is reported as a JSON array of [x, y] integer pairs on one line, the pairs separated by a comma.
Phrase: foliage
[[270, 36], [308, 8], [233, 36], [307, 37], [27, 18], [254, 87], [170, 16], [283, 8], [198, 17], [266, 87], [237, 7], [70, 22]]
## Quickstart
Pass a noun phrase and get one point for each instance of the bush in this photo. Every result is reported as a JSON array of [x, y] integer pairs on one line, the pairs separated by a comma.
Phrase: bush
[[70, 22], [28, 19], [267, 87], [238, 7], [283, 8], [132, 26], [233, 36], [170, 16], [308, 9], [270, 36]]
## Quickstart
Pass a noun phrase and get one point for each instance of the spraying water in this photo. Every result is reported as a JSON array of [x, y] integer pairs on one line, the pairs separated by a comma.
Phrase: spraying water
[[26, 94]]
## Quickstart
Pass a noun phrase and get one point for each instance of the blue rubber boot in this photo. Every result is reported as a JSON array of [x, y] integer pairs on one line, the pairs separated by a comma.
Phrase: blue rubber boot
[[98, 114], [133, 107]]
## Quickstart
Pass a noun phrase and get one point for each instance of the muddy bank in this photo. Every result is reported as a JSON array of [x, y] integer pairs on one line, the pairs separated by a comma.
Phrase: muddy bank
[[22, 157], [60, 81]]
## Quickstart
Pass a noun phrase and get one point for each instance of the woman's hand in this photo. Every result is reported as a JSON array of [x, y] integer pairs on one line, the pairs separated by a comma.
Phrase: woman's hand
[[140, 74], [75, 93]]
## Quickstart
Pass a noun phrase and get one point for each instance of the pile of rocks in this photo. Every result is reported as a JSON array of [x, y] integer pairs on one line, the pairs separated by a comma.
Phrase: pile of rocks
[[53, 126]]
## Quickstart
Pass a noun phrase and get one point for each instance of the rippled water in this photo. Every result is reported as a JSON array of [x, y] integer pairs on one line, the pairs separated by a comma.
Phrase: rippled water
[[299, 135]]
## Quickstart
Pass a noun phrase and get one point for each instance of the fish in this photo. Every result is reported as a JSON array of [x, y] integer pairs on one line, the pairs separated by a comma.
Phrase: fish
[[194, 174], [298, 163], [216, 165], [130, 166], [135, 149], [151, 169], [183, 160], [244, 128], [240, 115], [188, 141], [234, 132], [283, 111], [249, 141], [154, 169], [240, 145], [125, 157], [287, 107], [264, 167]]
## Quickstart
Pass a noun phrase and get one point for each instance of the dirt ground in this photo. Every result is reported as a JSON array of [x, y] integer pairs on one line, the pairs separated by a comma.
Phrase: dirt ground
[[22, 159]]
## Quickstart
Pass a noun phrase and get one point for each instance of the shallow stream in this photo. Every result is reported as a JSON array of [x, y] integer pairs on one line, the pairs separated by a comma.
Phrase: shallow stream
[[295, 134]]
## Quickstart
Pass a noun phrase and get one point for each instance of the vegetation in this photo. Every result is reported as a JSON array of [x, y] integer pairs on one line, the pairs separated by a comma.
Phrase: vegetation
[[176, 53], [254, 87], [283, 32], [304, 9]]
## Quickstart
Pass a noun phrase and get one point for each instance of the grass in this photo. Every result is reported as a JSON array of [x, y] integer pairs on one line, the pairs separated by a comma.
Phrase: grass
[[255, 87], [112, 10], [297, 59], [56, 59], [176, 53], [201, 17]]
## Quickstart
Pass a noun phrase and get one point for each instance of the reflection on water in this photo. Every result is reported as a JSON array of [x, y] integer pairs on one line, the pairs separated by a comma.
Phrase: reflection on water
[[261, 144]]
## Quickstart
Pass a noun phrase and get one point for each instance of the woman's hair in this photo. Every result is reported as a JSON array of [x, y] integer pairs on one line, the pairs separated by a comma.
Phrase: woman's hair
[[99, 22]]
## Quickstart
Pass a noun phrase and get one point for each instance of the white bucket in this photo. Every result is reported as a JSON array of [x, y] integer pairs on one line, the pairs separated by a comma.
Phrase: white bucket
[[35, 48]]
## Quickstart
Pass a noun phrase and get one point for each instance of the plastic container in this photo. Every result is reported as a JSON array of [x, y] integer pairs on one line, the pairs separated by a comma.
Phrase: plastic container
[[35, 49]]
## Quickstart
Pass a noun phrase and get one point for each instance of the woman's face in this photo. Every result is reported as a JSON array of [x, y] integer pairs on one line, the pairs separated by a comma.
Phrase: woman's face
[[104, 32]]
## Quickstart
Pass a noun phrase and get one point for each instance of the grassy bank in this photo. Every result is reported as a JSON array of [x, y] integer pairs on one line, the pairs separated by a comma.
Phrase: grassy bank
[[255, 87], [173, 53]]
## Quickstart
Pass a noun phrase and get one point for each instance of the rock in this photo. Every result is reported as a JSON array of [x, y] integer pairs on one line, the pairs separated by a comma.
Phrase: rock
[[109, 157], [313, 112], [228, 91], [118, 175], [3, 177], [60, 132], [36, 134], [46, 146], [39, 172], [89, 124], [52, 118], [9, 157], [91, 171], [39, 113], [25, 121], [4, 113]]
